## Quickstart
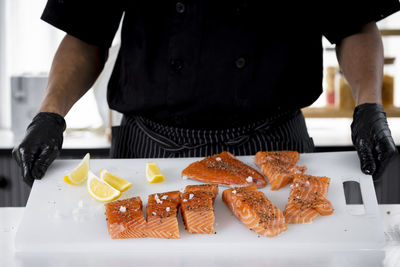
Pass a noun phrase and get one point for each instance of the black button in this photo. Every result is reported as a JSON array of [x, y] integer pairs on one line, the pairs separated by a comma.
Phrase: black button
[[240, 63], [241, 8], [177, 64], [178, 120], [180, 7], [3, 182]]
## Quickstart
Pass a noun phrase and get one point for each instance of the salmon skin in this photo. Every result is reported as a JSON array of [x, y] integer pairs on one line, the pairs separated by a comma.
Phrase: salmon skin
[[307, 199], [197, 208], [255, 210], [224, 169], [279, 167], [125, 218]]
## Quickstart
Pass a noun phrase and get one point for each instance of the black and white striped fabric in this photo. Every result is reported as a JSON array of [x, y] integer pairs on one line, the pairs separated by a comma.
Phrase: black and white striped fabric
[[138, 137]]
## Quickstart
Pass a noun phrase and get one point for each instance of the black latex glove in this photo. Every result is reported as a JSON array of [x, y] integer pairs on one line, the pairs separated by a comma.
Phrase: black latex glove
[[40, 146], [372, 139]]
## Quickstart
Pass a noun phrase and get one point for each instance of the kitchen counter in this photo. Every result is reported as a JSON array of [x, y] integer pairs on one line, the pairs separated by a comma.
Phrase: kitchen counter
[[388, 257], [336, 132], [74, 140], [326, 132], [331, 134]]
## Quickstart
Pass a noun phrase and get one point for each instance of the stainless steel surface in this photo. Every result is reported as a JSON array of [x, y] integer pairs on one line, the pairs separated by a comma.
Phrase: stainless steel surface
[[27, 92]]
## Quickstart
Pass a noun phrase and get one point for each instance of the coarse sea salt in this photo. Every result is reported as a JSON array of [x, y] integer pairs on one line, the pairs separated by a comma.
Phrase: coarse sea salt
[[184, 177], [122, 209], [164, 197], [218, 159], [153, 213], [167, 208], [157, 199], [249, 179], [234, 192], [191, 196], [184, 200]]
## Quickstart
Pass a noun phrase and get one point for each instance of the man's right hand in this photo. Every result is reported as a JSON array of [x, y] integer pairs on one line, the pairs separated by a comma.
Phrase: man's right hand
[[40, 146]]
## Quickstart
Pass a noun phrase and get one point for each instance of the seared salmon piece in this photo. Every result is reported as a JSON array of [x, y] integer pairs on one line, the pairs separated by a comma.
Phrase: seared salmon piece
[[197, 208], [224, 169], [255, 210], [162, 211], [125, 218], [307, 199], [279, 167]]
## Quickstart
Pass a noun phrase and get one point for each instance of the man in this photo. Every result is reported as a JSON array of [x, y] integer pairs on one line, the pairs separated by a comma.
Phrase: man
[[194, 78]]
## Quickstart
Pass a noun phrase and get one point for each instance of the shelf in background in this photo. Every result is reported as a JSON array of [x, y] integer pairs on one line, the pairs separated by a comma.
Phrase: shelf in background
[[390, 32], [333, 112]]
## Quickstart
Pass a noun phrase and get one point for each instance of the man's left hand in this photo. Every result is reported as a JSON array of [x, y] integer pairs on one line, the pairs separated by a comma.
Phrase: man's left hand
[[372, 139]]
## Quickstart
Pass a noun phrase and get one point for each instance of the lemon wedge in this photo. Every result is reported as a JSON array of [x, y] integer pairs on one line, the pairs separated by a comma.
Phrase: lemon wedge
[[114, 180], [100, 190], [80, 173], [153, 173]]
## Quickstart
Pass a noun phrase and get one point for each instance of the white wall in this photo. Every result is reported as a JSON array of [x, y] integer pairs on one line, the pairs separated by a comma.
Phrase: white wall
[[26, 46], [30, 44], [391, 46], [5, 121]]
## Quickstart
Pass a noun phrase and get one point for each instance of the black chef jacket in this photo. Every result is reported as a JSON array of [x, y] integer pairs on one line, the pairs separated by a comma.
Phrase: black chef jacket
[[215, 63]]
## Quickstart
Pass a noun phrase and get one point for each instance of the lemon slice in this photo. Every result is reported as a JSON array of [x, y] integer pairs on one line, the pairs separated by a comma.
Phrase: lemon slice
[[100, 190], [114, 180], [80, 173], [153, 173]]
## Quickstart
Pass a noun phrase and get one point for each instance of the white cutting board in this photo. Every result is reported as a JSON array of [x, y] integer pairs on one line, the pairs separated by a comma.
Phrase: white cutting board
[[62, 217]]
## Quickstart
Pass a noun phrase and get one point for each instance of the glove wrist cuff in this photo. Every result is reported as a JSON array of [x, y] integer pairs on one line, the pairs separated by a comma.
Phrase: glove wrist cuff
[[49, 117], [368, 107]]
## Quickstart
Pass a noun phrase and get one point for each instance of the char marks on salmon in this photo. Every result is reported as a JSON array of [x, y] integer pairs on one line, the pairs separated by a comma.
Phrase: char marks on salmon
[[307, 199], [279, 167], [255, 210], [224, 169], [197, 208]]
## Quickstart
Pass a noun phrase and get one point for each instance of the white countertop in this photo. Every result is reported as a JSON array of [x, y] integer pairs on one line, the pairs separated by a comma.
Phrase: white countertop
[[74, 140], [389, 257], [337, 132], [6, 139], [325, 132]]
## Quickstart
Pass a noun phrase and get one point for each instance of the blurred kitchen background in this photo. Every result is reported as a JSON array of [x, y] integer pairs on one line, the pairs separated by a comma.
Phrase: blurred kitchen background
[[27, 46]]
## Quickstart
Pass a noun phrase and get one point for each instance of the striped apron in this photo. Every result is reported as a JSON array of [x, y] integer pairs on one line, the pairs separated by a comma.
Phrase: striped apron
[[138, 137]]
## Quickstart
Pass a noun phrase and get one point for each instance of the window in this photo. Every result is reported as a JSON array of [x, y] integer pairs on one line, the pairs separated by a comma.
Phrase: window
[[27, 47]]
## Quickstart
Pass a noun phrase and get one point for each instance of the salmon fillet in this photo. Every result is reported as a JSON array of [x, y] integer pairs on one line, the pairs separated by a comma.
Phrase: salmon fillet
[[255, 210], [279, 167], [162, 210], [125, 218], [224, 169], [197, 208], [307, 199]]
